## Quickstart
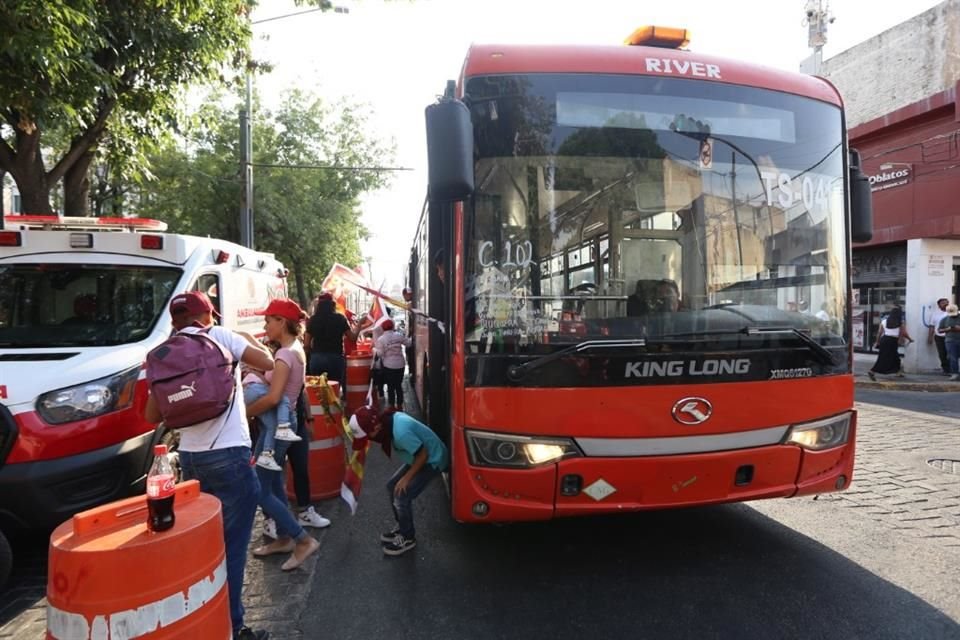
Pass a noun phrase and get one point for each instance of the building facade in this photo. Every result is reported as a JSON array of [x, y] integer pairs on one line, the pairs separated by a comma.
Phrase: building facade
[[900, 89]]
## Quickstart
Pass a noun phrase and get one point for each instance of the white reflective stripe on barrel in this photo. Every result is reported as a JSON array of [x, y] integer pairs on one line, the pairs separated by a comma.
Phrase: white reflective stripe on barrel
[[357, 388], [317, 410], [360, 362], [326, 443], [144, 620]]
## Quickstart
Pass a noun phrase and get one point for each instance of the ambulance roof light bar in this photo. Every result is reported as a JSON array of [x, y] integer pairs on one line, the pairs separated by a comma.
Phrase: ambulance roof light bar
[[663, 37], [73, 223]]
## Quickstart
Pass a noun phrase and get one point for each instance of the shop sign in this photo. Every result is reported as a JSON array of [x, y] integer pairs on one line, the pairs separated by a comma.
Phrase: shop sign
[[889, 179]]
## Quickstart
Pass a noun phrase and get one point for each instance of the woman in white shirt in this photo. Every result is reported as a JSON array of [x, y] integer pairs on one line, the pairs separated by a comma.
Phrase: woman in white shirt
[[390, 347]]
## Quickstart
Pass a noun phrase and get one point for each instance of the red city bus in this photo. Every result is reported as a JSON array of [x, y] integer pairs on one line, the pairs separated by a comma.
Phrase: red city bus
[[641, 259]]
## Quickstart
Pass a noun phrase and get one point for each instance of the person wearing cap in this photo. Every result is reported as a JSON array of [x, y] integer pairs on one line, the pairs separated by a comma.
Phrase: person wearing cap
[[217, 452], [323, 340], [424, 458], [283, 323], [389, 347], [950, 327]]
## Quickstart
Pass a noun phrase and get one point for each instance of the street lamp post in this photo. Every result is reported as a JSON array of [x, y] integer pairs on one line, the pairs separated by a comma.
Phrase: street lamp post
[[246, 141]]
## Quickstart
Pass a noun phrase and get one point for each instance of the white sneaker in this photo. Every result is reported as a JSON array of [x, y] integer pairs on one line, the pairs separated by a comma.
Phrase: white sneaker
[[285, 433], [270, 528], [266, 461], [310, 518]]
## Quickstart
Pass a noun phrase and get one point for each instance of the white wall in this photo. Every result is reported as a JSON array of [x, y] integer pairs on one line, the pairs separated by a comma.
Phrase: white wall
[[929, 277], [902, 65]]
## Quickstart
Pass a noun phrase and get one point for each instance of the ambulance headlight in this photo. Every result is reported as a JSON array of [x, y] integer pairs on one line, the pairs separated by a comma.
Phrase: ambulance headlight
[[89, 399], [821, 434], [519, 452]]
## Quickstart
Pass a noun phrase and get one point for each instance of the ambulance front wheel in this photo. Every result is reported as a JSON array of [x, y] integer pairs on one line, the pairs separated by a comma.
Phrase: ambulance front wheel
[[6, 560]]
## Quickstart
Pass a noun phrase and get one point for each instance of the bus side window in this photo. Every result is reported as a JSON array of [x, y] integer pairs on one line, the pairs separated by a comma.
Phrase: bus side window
[[209, 283]]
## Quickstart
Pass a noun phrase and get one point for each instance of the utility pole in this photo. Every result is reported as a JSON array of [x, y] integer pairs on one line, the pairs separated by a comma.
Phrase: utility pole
[[246, 167], [246, 139], [817, 17]]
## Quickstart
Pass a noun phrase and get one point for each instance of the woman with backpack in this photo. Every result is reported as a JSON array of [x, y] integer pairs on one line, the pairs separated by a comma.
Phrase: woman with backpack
[[282, 324]]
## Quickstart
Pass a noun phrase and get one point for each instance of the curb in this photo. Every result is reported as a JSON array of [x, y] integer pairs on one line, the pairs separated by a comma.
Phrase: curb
[[936, 387]]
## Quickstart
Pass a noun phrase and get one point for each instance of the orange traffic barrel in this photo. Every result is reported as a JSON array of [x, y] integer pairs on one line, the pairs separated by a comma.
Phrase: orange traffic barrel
[[358, 379], [111, 577], [326, 461]]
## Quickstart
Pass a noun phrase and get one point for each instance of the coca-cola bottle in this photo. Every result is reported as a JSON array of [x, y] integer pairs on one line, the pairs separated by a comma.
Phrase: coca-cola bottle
[[160, 491]]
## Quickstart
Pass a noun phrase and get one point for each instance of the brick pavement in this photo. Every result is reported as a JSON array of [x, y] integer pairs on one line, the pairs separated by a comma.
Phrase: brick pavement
[[893, 483]]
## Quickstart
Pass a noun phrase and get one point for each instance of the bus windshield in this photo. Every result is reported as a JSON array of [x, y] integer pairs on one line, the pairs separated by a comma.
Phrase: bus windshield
[[612, 207], [75, 305]]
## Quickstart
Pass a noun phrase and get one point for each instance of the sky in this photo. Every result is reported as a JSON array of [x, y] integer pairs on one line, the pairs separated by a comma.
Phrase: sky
[[396, 56]]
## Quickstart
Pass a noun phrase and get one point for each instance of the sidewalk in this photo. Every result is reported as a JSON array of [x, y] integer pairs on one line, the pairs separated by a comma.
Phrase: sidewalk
[[928, 381]]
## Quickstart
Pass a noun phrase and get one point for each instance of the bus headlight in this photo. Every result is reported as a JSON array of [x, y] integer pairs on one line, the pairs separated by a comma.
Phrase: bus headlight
[[89, 399], [821, 434], [518, 452]]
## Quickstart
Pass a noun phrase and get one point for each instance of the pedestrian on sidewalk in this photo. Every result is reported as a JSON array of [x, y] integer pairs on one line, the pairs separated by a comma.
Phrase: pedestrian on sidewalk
[[937, 337], [390, 347], [950, 326], [217, 452], [424, 458], [283, 324], [893, 332]]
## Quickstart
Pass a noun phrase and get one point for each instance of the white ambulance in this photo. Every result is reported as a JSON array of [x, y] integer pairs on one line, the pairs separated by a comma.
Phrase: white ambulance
[[82, 301]]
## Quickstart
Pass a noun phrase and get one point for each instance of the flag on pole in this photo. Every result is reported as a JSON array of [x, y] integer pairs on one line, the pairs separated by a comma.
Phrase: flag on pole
[[353, 477], [340, 282]]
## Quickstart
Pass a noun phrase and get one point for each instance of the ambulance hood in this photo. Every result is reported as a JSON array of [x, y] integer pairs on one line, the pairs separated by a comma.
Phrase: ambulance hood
[[25, 374]]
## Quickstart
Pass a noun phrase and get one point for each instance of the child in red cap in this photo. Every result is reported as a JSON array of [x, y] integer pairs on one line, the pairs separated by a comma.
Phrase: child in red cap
[[424, 458]]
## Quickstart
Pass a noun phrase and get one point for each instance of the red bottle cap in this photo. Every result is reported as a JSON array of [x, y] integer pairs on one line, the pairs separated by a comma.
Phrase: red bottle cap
[[160, 450]]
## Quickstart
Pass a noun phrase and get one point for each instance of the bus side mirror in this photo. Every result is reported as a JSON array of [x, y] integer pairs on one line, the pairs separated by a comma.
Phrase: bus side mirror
[[861, 202], [449, 151]]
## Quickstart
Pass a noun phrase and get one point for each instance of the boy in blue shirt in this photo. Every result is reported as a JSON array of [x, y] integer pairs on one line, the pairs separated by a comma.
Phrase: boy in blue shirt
[[424, 458]]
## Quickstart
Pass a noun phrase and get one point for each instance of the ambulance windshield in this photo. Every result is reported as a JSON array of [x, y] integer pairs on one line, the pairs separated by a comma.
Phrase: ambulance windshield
[[74, 305]]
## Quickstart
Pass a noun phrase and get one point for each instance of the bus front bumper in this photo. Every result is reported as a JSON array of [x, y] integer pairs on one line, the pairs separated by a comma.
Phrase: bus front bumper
[[584, 486]]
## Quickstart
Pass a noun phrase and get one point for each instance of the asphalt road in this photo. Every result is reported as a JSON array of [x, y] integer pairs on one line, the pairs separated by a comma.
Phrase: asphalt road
[[717, 572]]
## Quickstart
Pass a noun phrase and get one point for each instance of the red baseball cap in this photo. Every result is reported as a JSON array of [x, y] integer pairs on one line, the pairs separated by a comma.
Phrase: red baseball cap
[[192, 302], [285, 308], [387, 325]]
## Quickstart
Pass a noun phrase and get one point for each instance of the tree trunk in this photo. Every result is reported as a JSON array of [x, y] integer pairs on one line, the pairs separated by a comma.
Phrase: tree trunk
[[76, 186], [301, 285], [29, 174]]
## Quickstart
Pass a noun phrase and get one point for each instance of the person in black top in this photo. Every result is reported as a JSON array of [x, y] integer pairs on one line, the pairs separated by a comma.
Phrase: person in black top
[[323, 340]]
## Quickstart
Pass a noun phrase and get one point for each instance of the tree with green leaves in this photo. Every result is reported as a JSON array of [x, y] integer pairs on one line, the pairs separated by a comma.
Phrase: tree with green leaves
[[69, 69], [314, 160]]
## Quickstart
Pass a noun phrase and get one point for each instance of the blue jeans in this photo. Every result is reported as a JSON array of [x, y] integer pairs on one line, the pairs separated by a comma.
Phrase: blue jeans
[[403, 503], [332, 364], [227, 475], [953, 355], [273, 496], [271, 418]]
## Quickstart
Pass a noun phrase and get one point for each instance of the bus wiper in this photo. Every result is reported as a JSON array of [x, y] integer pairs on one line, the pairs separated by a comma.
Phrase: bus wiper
[[822, 353], [517, 371]]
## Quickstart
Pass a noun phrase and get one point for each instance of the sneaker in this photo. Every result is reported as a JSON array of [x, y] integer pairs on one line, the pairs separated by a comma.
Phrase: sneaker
[[270, 528], [246, 633], [267, 462], [871, 374], [310, 518], [399, 546], [390, 536], [955, 377], [285, 433]]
